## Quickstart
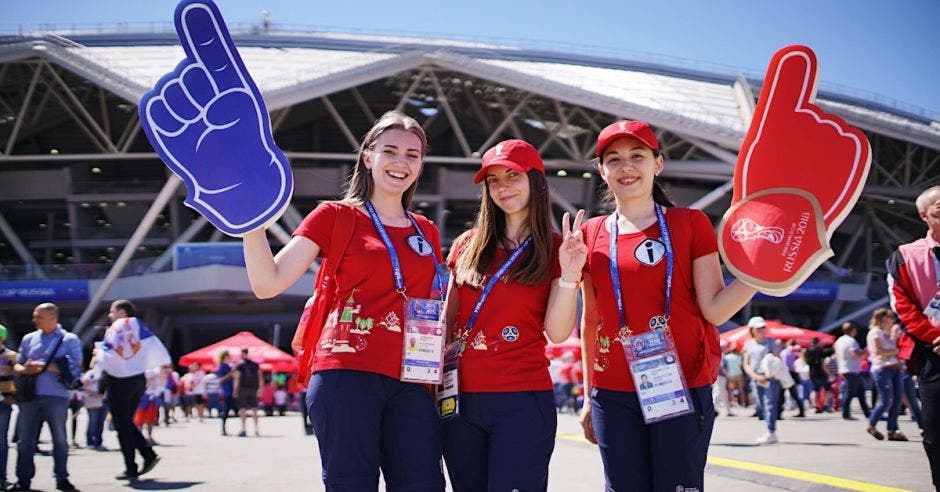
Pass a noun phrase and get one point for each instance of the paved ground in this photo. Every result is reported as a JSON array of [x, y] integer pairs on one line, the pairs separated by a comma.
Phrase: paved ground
[[821, 452]]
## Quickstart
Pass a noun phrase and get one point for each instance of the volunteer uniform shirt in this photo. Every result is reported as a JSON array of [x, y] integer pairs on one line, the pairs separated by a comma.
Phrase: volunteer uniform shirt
[[642, 265], [505, 351], [363, 330]]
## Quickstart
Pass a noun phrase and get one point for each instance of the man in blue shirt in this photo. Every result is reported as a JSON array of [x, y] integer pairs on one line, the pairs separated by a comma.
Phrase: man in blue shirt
[[51, 402], [226, 376]]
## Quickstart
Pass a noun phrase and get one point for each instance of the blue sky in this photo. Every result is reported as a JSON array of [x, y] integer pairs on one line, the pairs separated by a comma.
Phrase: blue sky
[[885, 47]]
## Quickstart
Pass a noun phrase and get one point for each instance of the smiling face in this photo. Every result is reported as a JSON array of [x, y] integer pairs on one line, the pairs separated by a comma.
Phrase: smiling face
[[394, 161], [509, 190], [628, 167]]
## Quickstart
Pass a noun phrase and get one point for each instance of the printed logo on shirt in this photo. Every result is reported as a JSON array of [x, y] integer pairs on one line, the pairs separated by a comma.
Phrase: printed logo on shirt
[[420, 245], [510, 333], [650, 252]]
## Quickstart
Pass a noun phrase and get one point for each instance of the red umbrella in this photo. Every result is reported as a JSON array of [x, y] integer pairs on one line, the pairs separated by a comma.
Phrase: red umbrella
[[572, 344], [269, 357], [737, 337]]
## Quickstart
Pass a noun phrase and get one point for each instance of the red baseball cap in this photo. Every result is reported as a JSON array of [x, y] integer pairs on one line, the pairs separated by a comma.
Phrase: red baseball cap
[[518, 155], [639, 130]]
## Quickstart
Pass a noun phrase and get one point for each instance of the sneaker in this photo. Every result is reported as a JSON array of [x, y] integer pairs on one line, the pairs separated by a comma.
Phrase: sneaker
[[849, 417], [896, 436], [19, 487], [127, 475], [874, 433], [767, 438], [242, 434], [64, 484], [149, 464]]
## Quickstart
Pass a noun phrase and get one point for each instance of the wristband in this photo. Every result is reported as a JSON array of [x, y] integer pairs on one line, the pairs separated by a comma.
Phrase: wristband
[[568, 285]]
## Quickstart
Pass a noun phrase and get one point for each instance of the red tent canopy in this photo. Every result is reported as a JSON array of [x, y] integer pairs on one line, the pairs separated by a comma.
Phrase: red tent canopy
[[269, 357], [572, 344], [737, 337]]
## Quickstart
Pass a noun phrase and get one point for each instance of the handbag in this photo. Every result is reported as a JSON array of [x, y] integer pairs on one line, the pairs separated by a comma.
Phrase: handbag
[[26, 383]]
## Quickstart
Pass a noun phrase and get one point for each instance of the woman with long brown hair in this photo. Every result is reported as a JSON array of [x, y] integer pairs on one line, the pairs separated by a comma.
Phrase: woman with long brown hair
[[364, 415], [514, 281]]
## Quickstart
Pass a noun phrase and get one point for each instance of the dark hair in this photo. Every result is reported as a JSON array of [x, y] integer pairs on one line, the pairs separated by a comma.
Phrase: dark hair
[[659, 193], [476, 255], [129, 309], [360, 184]]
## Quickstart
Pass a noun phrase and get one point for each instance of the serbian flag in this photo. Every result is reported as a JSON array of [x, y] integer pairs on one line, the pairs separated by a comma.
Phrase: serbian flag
[[130, 348]]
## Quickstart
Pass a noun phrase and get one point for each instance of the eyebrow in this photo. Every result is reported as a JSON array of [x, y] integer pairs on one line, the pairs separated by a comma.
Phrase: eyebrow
[[640, 147], [390, 146]]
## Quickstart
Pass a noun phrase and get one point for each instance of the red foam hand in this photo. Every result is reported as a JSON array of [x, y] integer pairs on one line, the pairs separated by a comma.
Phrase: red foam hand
[[793, 143], [799, 173]]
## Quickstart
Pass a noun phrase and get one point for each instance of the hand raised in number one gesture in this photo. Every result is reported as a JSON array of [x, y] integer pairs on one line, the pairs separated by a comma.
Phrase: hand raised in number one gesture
[[208, 123]]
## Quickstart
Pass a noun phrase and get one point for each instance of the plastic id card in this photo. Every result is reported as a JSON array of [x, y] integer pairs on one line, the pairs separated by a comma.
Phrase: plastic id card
[[423, 347], [448, 393], [657, 375]]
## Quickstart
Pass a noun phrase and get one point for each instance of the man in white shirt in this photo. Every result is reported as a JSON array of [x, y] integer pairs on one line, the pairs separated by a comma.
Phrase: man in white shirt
[[849, 356]]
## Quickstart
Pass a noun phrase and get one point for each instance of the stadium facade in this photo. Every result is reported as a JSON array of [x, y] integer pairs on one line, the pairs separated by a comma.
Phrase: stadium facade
[[89, 214]]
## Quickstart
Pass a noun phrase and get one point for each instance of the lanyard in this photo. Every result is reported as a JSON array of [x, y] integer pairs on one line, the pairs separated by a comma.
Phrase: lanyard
[[492, 282], [396, 266], [615, 271]]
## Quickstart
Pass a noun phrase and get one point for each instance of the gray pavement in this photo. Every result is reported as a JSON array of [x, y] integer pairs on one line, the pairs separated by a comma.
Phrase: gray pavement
[[821, 452]]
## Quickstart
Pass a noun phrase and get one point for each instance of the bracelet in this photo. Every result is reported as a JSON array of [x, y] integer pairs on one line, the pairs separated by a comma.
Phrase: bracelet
[[568, 285]]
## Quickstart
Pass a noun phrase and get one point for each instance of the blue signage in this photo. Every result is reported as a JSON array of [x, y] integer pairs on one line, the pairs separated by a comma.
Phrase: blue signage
[[189, 255], [44, 291], [808, 291]]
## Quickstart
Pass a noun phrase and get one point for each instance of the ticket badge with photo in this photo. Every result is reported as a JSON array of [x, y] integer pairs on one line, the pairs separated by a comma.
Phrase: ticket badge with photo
[[448, 393], [423, 347], [657, 375], [933, 307]]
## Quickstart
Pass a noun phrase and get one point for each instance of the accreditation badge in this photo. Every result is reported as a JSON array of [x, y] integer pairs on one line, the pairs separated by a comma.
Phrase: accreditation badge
[[423, 341], [448, 393], [933, 307], [657, 375]]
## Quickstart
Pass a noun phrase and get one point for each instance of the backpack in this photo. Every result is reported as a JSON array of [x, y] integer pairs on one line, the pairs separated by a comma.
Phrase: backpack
[[318, 305]]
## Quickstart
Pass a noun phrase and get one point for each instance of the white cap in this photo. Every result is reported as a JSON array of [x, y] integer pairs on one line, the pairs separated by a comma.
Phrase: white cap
[[756, 322]]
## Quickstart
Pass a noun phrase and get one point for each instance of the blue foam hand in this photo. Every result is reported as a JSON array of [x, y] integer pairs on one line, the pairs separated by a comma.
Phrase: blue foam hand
[[208, 123]]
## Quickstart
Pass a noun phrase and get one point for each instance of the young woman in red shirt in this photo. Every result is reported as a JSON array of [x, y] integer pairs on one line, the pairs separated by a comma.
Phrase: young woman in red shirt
[[513, 282], [658, 292], [365, 417]]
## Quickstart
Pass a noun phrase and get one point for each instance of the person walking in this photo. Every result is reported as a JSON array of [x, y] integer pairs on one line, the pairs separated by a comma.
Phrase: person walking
[[129, 350], [849, 355]]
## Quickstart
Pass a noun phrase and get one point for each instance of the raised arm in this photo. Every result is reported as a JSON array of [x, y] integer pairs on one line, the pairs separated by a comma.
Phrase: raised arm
[[270, 275], [717, 301]]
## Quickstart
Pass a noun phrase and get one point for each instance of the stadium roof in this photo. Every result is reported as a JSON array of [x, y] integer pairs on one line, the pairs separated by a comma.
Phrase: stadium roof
[[291, 68]]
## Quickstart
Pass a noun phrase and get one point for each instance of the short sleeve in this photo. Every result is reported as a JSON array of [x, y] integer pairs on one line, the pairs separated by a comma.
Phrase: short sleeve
[[432, 234], [317, 226], [704, 241]]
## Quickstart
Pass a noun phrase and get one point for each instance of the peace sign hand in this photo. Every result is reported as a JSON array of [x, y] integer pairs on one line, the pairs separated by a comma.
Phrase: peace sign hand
[[573, 252], [208, 123]]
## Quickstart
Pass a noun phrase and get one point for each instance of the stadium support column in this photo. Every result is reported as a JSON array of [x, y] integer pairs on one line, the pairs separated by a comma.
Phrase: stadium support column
[[169, 189]]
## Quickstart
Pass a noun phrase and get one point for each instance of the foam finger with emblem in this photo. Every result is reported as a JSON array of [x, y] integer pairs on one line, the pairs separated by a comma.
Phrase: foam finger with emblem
[[798, 174]]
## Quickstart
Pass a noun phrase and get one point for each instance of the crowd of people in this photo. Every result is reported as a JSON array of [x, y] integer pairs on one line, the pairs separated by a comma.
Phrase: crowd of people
[[772, 375]]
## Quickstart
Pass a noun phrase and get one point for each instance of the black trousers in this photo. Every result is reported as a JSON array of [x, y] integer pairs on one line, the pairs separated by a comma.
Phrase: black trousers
[[930, 401], [123, 397]]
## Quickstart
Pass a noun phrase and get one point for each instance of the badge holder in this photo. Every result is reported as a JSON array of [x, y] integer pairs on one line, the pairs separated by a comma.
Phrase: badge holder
[[658, 377], [448, 393], [423, 347]]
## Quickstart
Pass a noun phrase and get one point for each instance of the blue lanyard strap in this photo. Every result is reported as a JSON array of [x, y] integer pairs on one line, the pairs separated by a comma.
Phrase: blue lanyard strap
[[393, 254], [492, 282], [615, 271]]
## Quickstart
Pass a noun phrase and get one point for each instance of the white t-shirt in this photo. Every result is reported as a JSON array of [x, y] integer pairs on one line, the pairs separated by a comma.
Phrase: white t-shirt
[[845, 348], [879, 361], [756, 352]]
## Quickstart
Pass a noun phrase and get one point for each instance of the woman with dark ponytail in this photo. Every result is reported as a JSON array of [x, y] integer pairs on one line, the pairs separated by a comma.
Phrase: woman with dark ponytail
[[653, 292]]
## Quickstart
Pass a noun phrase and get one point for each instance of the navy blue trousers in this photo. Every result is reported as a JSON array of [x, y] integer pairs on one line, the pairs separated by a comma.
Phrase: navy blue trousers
[[664, 456], [366, 421], [501, 441]]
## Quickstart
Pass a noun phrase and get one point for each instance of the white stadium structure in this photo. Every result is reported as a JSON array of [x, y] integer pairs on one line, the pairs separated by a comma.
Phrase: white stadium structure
[[88, 213]]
